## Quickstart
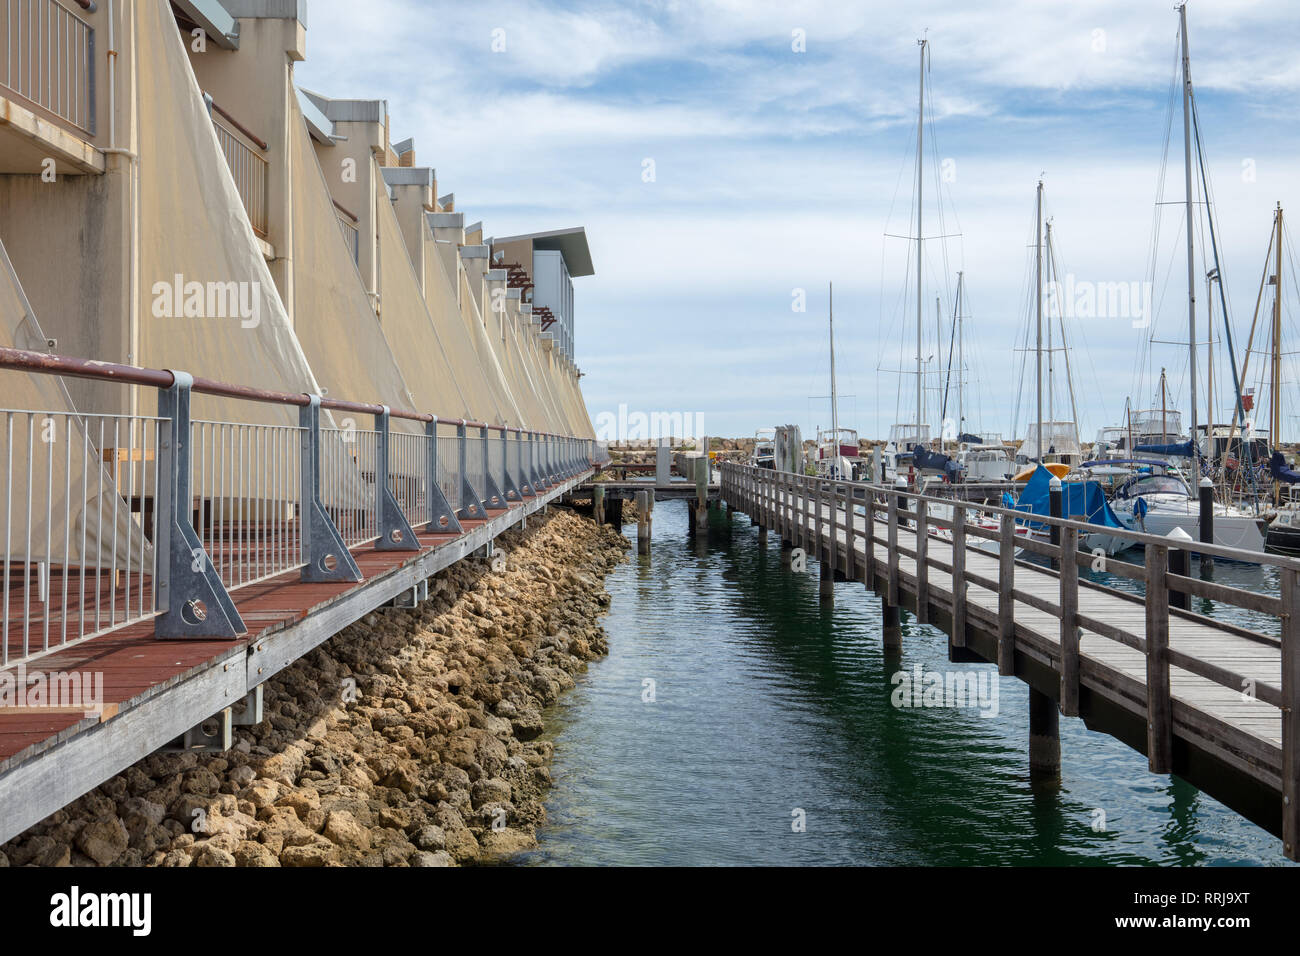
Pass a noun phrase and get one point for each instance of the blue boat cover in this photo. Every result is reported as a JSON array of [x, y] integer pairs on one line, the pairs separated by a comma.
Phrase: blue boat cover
[[1078, 498], [1277, 467], [1181, 450], [924, 458]]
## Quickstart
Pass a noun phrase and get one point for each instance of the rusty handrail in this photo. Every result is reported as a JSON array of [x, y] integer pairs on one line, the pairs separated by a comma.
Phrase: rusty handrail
[[345, 210], [49, 364], [261, 143]]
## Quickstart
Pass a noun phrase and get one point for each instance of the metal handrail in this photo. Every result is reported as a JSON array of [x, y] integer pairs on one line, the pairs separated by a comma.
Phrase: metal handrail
[[220, 504]]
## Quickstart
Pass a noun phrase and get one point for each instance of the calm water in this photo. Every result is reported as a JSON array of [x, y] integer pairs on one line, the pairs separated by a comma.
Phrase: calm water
[[767, 704]]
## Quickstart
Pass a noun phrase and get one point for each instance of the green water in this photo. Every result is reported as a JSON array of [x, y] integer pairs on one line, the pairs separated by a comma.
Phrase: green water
[[770, 709]]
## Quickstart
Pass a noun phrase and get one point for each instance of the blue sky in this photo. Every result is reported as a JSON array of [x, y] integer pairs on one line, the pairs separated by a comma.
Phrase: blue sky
[[777, 170]]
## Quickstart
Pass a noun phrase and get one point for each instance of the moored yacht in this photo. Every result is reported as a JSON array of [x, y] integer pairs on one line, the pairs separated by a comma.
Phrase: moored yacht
[[1158, 500]]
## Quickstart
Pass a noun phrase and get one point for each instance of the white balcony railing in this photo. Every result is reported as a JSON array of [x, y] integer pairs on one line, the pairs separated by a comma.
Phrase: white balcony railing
[[48, 59]]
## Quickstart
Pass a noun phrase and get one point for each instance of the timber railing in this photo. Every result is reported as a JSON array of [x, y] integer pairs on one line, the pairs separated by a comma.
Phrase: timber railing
[[48, 59], [830, 518], [114, 520]]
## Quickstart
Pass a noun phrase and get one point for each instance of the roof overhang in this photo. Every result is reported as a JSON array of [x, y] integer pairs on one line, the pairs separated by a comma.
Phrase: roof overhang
[[221, 28], [570, 243]]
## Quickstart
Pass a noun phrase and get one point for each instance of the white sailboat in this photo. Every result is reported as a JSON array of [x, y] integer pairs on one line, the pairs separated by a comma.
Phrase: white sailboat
[[838, 456], [1158, 500]]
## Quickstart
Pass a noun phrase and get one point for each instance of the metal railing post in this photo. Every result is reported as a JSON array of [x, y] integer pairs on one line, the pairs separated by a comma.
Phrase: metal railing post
[[191, 596], [395, 532], [324, 554], [471, 501], [495, 497], [509, 485], [442, 517], [534, 478]]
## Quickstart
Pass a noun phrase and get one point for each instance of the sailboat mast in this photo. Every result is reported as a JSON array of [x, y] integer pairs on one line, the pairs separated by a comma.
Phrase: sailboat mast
[[920, 186], [1275, 432], [961, 361], [1038, 302], [1051, 350], [1164, 411], [835, 412], [1191, 245], [1276, 425], [938, 359]]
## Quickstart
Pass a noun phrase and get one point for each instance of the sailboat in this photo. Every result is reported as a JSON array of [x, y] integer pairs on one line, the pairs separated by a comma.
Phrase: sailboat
[[838, 456], [906, 438], [1048, 440], [980, 457], [1158, 503]]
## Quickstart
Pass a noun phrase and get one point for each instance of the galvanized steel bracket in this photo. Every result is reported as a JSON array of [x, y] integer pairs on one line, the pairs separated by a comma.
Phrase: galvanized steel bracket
[[196, 602], [395, 532], [325, 555]]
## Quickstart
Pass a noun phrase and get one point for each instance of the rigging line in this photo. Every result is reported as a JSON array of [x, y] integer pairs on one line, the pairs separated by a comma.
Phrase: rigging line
[[1214, 244], [1141, 368]]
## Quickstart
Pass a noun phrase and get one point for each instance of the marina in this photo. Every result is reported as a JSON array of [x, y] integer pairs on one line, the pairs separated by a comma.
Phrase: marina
[[851, 436]]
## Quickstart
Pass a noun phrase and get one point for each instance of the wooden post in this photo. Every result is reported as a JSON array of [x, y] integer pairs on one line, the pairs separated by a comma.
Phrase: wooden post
[[1180, 562], [891, 629], [644, 510], [958, 575], [1006, 600], [1044, 736], [1290, 593], [922, 563], [833, 548], [892, 591], [598, 503], [702, 491], [850, 536], [1159, 714], [870, 570], [1069, 623], [826, 582], [817, 521]]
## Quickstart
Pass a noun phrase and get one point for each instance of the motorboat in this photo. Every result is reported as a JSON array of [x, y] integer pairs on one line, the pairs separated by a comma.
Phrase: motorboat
[[764, 454], [1157, 500]]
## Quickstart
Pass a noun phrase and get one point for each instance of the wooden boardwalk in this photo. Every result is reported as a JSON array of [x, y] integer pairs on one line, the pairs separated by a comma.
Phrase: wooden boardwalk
[[1212, 702], [156, 690]]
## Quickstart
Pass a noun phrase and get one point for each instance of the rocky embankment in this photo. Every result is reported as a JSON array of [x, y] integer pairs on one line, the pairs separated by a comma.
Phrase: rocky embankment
[[408, 739]]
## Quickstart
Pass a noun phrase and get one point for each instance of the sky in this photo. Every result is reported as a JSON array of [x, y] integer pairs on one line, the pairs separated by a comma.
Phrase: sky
[[730, 159]]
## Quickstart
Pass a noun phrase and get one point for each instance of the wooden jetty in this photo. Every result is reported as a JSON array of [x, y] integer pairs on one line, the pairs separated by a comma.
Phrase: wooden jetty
[[1212, 702]]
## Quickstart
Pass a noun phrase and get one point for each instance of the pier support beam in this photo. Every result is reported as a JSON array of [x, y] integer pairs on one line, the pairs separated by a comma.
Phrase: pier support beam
[[644, 510], [598, 504], [1044, 737], [892, 631], [787, 552], [762, 536], [826, 584]]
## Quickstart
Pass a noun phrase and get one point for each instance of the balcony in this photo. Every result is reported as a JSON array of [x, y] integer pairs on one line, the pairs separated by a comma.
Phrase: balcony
[[351, 232], [243, 150], [47, 88], [48, 60]]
